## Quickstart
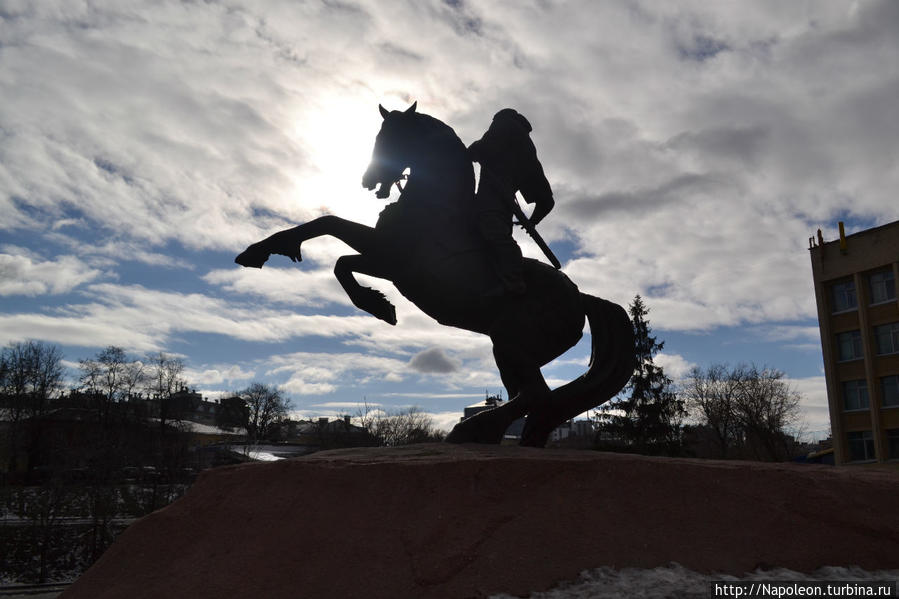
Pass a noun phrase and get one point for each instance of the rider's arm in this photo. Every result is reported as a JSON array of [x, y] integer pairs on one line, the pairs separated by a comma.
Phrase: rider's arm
[[536, 190], [544, 205]]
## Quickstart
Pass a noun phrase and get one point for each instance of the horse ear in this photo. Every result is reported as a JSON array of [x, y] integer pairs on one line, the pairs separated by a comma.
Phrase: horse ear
[[411, 109], [383, 110]]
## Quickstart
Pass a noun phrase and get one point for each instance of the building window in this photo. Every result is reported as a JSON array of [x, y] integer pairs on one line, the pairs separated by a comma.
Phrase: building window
[[887, 336], [855, 395], [890, 387], [883, 287], [849, 346], [843, 296], [893, 443], [861, 446]]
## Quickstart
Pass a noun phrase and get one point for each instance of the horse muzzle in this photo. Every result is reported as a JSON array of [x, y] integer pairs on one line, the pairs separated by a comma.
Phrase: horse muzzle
[[372, 178], [369, 180]]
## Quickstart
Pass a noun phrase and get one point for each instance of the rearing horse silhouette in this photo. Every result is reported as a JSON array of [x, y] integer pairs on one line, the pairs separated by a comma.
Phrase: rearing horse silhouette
[[427, 244]]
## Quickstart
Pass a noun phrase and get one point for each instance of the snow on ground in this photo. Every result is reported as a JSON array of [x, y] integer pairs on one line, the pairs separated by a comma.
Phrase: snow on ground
[[271, 453], [676, 582], [204, 429], [669, 582]]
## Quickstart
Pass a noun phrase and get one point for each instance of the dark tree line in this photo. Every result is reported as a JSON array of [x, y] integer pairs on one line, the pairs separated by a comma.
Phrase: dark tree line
[[31, 375], [75, 464]]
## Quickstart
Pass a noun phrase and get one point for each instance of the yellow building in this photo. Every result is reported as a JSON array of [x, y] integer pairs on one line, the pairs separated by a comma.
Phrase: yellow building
[[858, 314]]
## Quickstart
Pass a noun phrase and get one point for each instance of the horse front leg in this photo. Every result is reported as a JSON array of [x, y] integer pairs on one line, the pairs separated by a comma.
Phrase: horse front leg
[[365, 298], [287, 242]]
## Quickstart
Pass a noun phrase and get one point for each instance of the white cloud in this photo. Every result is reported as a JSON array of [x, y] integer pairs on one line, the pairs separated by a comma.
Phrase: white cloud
[[343, 405], [709, 198], [322, 373], [217, 375], [311, 373], [676, 367], [142, 319], [790, 333], [296, 286], [798, 337], [445, 421], [75, 330], [815, 419], [22, 273], [299, 386]]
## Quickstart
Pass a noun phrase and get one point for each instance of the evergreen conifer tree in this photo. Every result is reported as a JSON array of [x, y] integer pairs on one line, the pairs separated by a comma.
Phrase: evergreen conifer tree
[[648, 418]]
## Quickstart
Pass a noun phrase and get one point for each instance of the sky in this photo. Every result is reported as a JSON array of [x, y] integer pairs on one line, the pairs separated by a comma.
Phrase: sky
[[693, 148]]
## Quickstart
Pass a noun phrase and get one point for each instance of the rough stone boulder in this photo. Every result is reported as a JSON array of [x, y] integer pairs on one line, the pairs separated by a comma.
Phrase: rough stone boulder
[[470, 521]]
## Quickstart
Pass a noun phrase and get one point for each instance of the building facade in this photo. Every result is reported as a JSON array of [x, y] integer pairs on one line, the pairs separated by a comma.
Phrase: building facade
[[858, 315]]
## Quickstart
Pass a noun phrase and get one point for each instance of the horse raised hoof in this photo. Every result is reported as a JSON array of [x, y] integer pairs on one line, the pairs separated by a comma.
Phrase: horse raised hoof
[[284, 243], [375, 303], [253, 257]]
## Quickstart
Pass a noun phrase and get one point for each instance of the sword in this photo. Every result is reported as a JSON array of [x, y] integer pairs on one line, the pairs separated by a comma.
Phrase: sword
[[529, 228], [525, 223]]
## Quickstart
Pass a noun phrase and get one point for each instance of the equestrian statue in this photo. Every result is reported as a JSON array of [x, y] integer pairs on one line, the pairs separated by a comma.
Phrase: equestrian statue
[[449, 250]]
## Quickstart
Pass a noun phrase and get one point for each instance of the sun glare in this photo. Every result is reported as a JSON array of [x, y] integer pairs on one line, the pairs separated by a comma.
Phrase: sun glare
[[342, 142], [338, 139]]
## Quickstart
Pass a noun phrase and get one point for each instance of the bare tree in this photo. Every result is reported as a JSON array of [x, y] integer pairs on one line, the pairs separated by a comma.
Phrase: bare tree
[[31, 372], [111, 376], [749, 410], [711, 396], [766, 410], [401, 427], [266, 406], [163, 379]]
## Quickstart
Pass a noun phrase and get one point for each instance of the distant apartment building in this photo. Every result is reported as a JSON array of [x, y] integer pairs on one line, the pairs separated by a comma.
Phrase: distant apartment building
[[858, 315]]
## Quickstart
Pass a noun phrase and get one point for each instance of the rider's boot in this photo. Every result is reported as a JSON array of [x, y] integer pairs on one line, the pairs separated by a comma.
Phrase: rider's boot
[[504, 254]]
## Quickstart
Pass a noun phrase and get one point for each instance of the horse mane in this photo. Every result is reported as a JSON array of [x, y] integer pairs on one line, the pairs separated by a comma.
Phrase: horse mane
[[440, 141]]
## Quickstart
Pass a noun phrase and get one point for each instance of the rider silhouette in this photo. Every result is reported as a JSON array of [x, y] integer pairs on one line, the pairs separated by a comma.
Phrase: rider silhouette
[[509, 163]]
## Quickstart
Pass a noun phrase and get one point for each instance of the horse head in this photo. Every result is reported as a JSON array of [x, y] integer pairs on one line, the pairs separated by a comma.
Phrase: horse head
[[393, 150]]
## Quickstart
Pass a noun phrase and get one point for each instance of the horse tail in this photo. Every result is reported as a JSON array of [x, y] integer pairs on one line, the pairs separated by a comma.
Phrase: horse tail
[[613, 354], [612, 361]]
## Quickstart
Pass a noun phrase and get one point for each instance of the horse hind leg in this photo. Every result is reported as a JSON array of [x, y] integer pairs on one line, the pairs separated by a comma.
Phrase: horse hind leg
[[611, 366], [489, 426], [526, 386], [486, 427]]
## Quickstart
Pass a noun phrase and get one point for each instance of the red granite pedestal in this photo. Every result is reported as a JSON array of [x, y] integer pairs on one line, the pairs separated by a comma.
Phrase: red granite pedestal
[[469, 521]]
